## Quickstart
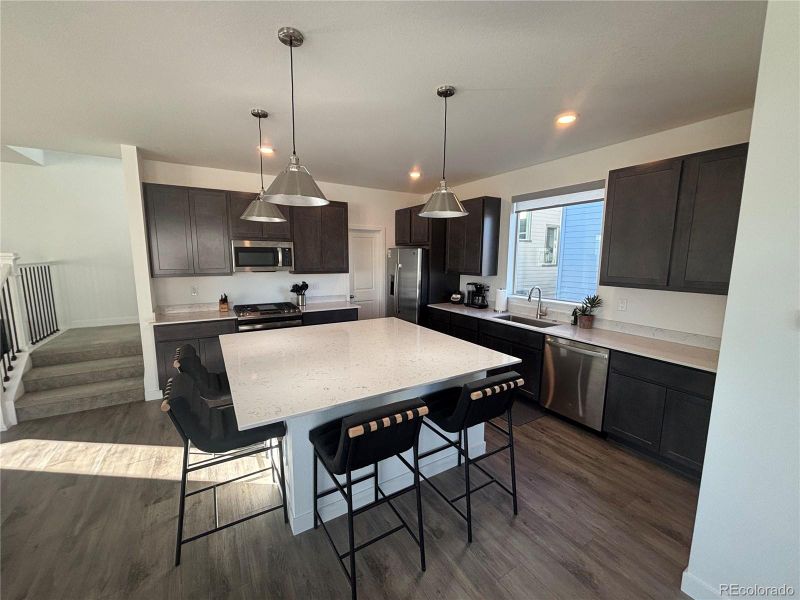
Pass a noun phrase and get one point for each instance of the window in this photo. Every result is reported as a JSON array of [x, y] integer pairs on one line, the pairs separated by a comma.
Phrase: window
[[557, 246], [524, 229]]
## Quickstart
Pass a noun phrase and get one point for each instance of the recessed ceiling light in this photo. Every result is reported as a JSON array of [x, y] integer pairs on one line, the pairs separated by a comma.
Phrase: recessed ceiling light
[[266, 149], [567, 118], [415, 174]]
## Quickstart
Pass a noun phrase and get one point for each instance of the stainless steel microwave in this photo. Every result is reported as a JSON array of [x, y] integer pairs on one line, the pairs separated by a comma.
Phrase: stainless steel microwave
[[254, 255]]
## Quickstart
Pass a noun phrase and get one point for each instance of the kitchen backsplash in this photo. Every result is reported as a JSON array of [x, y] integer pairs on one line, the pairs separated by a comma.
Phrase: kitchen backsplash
[[243, 288]]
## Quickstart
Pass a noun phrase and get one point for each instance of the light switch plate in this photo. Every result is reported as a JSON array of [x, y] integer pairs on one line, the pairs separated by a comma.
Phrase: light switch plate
[[622, 304], [194, 290]]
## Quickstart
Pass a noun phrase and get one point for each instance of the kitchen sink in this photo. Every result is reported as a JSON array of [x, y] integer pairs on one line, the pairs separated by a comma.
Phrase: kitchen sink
[[527, 321]]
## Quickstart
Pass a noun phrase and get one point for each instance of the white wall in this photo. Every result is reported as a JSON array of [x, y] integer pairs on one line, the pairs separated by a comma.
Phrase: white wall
[[694, 313], [71, 210], [367, 206], [747, 530]]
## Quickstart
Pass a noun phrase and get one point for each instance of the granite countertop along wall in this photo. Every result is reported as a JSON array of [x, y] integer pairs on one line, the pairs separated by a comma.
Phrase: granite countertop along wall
[[696, 357], [192, 313]]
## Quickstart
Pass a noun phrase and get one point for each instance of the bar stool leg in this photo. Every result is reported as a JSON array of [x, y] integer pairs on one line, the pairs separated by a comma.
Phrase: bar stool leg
[[316, 519], [466, 477], [459, 447], [513, 468], [182, 504], [417, 491], [283, 481], [351, 534], [375, 471]]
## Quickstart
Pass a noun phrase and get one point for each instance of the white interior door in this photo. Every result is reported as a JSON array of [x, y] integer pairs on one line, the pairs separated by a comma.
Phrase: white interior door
[[367, 266]]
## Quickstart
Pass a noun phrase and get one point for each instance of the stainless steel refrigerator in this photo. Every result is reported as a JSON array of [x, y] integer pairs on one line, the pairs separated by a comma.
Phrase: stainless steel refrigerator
[[406, 288]]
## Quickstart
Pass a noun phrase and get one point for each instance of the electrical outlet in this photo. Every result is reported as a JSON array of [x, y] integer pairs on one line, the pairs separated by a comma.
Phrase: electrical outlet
[[622, 304], [194, 290]]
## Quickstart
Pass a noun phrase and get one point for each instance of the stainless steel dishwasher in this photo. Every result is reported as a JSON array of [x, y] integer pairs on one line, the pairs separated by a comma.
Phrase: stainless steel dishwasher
[[574, 380]]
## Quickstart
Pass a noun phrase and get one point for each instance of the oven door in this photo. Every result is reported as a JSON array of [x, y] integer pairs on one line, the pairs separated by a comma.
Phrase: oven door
[[253, 255]]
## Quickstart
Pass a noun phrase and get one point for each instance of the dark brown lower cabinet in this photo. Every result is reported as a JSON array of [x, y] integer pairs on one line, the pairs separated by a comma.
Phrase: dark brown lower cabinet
[[683, 436], [322, 317], [659, 408], [634, 410], [203, 335]]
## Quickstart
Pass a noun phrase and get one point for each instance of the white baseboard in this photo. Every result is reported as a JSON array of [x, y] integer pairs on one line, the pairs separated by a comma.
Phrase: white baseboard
[[102, 322], [693, 586], [155, 394], [335, 506]]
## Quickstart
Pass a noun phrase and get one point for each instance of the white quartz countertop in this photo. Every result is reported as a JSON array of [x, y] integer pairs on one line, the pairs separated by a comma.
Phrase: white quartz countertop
[[323, 306], [191, 316], [282, 373], [696, 357]]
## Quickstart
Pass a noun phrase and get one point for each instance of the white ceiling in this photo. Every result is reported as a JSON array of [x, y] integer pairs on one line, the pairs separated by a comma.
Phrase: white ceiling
[[179, 80]]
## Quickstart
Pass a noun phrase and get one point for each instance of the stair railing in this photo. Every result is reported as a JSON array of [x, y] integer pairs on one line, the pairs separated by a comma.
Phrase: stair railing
[[27, 297]]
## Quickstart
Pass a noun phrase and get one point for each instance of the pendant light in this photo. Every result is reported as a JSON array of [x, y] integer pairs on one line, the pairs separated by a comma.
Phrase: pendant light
[[260, 209], [443, 203], [294, 186]]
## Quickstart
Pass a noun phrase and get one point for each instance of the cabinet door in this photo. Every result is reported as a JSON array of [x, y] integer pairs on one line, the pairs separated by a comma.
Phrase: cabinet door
[[210, 237], [165, 354], [530, 368], [307, 235], [473, 237], [456, 236], [634, 410], [464, 333], [169, 227], [685, 429], [495, 343], [241, 229], [438, 320], [640, 210], [420, 227], [280, 231], [402, 227], [210, 353], [335, 258], [708, 214]]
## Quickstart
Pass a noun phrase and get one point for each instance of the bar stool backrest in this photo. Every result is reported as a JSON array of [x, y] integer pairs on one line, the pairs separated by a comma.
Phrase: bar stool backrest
[[374, 435], [186, 361], [487, 399], [191, 414]]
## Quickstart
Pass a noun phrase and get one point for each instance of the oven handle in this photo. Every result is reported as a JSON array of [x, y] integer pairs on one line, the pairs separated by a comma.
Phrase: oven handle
[[274, 325]]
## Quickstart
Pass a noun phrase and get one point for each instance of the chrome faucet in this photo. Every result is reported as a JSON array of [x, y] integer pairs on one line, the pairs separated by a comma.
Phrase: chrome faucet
[[538, 302]]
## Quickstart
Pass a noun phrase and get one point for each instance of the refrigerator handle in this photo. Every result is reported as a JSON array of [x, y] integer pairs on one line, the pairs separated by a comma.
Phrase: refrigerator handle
[[397, 290]]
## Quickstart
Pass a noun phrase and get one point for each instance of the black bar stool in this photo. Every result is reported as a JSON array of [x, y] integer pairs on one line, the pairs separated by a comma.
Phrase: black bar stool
[[455, 410], [363, 439], [214, 387], [215, 431]]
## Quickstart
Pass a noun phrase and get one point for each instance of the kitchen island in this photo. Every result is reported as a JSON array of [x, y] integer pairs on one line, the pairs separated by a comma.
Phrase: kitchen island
[[306, 376]]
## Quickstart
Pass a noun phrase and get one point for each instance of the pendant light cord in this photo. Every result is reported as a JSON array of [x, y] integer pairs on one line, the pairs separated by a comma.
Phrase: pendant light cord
[[291, 71], [444, 146], [260, 154]]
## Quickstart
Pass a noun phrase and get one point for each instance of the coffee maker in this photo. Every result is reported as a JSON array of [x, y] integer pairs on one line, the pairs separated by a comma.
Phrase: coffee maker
[[476, 294]]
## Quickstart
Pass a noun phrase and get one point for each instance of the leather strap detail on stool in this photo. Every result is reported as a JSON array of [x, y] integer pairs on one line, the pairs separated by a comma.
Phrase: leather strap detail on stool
[[388, 421], [496, 389]]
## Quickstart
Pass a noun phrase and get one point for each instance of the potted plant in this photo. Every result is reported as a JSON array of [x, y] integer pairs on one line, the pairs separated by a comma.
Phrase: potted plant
[[300, 290], [586, 311]]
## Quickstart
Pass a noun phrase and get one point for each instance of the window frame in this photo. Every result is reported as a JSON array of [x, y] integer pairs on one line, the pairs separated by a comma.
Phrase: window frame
[[596, 193]]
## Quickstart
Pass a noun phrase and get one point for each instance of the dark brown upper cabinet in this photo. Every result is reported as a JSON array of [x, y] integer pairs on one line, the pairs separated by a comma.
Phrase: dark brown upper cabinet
[[320, 238], [671, 224], [210, 242], [708, 215], [410, 229], [187, 231], [253, 230], [402, 227], [472, 241]]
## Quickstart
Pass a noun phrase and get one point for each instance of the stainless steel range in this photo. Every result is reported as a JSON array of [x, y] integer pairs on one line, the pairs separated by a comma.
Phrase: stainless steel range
[[251, 317]]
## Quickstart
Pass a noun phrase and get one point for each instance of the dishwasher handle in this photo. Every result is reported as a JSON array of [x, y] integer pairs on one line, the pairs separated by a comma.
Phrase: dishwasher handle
[[576, 350]]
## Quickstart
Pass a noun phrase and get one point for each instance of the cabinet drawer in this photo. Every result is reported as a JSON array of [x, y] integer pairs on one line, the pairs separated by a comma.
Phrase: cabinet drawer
[[517, 335], [693, 381], [201, 329], [464, 322], [330, 316]]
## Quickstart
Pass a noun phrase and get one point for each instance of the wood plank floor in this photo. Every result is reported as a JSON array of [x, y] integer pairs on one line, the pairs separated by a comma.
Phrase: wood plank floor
[[89, 505]]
